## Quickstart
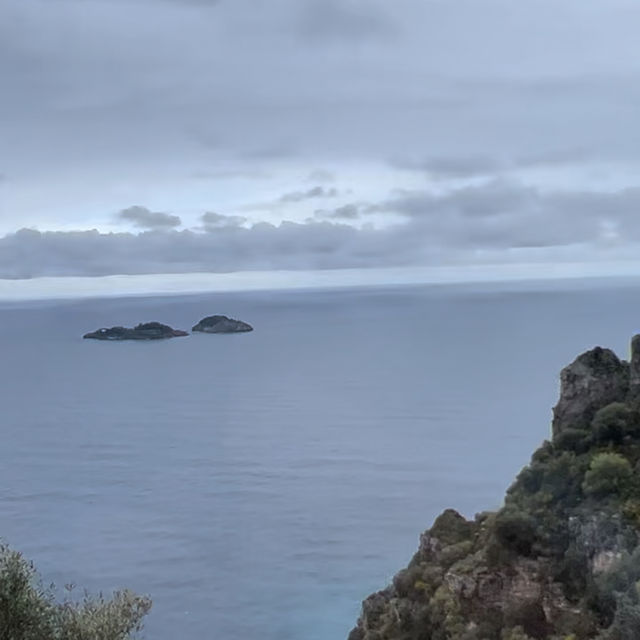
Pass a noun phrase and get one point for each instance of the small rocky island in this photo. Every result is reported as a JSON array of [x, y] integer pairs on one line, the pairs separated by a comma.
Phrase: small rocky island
[[144, 331], [561, 559], [221, 324]]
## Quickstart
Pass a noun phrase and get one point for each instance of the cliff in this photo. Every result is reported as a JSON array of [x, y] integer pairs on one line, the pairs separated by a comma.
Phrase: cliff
[[561, 559]]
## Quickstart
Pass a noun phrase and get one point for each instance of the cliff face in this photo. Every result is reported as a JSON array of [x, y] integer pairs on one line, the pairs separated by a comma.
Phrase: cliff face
[[561, 559]]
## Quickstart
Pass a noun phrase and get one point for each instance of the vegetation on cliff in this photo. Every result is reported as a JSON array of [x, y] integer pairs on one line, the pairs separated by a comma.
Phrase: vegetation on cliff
[[30, 611], [561, 559]]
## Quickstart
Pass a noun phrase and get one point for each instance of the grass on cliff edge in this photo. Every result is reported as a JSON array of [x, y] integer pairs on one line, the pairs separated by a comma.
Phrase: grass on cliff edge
[[30, 611]]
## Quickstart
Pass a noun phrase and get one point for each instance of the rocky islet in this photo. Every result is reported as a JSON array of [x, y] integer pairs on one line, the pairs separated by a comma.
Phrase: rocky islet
[[159, 331], [143, 331], [221, 324]]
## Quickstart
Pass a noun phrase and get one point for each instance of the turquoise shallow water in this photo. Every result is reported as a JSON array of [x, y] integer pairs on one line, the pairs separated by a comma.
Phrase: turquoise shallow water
[[258, 486]]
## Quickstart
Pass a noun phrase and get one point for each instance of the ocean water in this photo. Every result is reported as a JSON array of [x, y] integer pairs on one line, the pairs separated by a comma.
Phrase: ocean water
[[259, 486]]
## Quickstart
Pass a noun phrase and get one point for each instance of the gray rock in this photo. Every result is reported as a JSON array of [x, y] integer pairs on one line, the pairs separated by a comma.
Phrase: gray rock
[[634, 372], [593, 380], [144, 331], [222, 324]]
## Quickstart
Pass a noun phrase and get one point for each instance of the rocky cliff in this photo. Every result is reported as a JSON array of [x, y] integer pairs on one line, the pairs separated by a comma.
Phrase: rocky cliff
[[561, 559]]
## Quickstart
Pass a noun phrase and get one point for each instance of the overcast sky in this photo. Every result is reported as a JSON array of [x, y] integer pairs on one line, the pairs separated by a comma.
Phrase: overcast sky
[[153, 136]]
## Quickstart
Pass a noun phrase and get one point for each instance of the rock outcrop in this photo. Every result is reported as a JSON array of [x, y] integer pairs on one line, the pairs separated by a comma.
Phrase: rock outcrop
[[594, 379], [561, 559], [221, 324], [144, 331]]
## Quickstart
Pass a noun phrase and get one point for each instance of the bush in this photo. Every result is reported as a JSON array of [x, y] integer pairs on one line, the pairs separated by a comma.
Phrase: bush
[[450, 528], [626, 623], [608, 473], [613, 422], [577, 440], [515, 531], [28, 611], [516, 633]]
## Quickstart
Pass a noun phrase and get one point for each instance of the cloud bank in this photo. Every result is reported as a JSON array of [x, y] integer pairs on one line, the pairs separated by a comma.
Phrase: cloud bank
[[498, 220]]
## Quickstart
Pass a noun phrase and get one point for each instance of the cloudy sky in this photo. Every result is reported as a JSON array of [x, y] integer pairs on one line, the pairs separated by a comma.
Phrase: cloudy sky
[[158, 136]]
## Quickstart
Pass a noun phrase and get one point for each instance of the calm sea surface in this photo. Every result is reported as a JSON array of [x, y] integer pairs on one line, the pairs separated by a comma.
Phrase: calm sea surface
[[259, 486]]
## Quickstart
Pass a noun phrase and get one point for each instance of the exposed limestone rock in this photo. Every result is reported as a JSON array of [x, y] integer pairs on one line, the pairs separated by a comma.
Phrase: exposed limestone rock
[[593, 380]]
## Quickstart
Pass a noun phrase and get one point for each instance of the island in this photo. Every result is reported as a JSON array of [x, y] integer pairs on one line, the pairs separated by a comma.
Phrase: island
[[143, 331], [221, 324], [561, 559]]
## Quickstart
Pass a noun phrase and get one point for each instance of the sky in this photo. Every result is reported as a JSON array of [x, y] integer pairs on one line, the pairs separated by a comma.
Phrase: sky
[[188, 136]]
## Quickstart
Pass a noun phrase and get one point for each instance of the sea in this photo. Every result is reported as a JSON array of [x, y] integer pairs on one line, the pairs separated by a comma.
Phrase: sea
[[258, 486]]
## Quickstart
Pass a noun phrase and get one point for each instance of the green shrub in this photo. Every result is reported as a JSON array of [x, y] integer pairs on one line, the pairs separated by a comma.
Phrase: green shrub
[[626, 623], [572, 570], [577, 440], [29, 611], [529, 480], [515, 633], [606, 592], [543, 453], [450, 528], [515, 531], [608, 473], [529, 618], [613, 422], [631, 510]]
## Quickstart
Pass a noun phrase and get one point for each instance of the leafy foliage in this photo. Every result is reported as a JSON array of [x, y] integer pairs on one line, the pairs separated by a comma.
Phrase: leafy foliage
[[613, 422], [516, 531], [29, 611], [608, 473]]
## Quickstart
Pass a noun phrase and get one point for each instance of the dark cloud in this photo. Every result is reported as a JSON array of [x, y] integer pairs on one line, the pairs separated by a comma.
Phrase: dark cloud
[[503, 215], [456, 167], [213, 221], [452, 167], [554, 157], [344, 20], [142, 218], [488, 199], [293, 197], [345, 212], [309, 194]]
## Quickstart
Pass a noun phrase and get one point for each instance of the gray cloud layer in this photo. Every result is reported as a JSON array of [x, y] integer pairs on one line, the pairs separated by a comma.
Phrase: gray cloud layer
[[206, 103], [498, 217], [308, 77]]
